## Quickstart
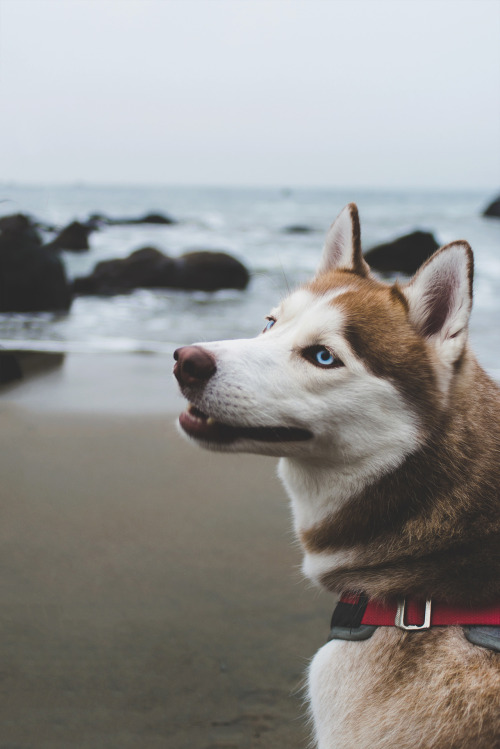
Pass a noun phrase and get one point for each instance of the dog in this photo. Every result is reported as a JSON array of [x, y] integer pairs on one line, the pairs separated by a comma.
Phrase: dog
[[388, 434]]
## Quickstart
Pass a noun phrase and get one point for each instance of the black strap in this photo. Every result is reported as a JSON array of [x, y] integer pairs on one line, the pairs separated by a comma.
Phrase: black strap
[[349, 615], [484, 636]]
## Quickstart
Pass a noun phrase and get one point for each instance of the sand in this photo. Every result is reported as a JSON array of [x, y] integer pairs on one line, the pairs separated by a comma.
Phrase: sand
[[150, 592]]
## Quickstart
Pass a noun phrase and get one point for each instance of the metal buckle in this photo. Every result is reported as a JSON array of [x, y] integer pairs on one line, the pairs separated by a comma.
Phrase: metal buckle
[[399, 621]]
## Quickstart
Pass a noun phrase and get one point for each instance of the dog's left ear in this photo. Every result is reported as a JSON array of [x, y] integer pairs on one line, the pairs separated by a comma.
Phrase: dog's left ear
[[342, 250], [440, 298]]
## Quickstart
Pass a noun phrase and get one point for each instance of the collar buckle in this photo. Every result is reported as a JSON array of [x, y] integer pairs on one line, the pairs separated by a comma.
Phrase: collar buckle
[[399, 621]]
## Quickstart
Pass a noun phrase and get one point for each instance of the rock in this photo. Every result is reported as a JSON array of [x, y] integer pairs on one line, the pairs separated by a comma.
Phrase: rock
[[74, 237], [493, 210], [154, 218], [298, 229], [17, 365], [10, 368], [209, 271], [144, 268], [20, 223], [150, 218], [32, 278], [150, 268], [405, 254]]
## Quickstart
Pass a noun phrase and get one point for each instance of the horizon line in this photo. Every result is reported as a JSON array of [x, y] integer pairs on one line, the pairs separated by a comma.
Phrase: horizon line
[[283, 187]]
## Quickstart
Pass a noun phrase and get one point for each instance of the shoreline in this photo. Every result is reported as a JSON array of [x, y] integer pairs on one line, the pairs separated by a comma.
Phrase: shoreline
[[151, 592], [78, 383]]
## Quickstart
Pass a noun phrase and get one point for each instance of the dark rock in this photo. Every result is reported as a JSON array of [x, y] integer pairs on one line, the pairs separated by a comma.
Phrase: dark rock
[[144, 268], [493, 210], [10, 368], [17, 365], [209, 271], [32, 278], [298, 229], [20, 223], [74, 237], [150, 218], [150, 268], [405, 254], [154, 218]]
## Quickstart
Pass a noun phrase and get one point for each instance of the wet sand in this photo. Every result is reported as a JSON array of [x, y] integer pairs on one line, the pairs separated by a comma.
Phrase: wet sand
[[150, 591]]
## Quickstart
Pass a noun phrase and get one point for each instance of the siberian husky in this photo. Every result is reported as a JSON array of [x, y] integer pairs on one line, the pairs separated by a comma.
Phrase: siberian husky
[[388, 432]]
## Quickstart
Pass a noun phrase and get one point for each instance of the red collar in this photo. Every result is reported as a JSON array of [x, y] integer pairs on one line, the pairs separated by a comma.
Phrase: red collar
[[408, 613]]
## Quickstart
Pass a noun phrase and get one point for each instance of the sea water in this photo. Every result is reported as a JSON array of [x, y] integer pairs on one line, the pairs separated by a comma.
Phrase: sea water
[[248, 223]]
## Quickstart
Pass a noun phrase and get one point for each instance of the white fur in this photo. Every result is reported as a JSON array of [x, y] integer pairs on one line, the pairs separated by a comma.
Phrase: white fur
[[360, 423], [329, 672], [374, 431], [314, 566]]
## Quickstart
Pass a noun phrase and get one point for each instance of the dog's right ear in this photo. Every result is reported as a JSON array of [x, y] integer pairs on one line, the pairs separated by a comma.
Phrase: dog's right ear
[[342, 250]]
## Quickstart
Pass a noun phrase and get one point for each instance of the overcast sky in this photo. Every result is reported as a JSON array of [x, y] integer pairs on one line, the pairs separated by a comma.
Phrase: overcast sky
[[259, 92]]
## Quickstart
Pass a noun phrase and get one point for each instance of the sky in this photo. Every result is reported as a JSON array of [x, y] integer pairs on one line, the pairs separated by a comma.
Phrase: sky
[[361, 93]]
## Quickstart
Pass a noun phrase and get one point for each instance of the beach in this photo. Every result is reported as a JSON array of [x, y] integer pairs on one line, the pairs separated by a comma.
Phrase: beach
[[151, 592]]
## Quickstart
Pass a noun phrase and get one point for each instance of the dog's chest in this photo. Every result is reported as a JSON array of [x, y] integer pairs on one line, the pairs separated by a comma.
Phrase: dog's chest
[[400, 689], [340, 681]]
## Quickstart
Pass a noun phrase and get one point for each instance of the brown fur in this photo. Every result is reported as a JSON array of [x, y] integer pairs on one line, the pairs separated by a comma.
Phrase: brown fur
[[406, 690], [428, 529], [432, 527], [360, 267]]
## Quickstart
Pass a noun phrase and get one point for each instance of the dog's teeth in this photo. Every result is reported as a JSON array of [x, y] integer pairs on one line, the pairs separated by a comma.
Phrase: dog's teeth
[[210, 420], [190, 408]]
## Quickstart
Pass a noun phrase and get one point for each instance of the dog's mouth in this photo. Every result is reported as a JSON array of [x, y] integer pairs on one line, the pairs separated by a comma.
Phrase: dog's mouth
[[198, 425]]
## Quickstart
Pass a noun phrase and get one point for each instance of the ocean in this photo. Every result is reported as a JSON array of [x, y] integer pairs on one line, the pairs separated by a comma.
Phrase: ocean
[[248, 223]]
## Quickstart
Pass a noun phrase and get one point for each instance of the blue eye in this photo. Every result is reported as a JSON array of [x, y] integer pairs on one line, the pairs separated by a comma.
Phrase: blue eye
[[324, 357], [270, 324]]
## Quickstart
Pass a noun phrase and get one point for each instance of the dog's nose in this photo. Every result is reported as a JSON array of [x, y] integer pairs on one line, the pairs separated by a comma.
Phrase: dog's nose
[[194, 365]]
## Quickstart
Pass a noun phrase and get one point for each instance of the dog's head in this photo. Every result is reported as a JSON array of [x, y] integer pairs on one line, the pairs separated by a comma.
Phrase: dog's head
[[347, 368]]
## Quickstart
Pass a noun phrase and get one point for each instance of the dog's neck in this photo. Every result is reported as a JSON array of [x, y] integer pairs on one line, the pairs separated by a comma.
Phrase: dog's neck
[[429, 527]]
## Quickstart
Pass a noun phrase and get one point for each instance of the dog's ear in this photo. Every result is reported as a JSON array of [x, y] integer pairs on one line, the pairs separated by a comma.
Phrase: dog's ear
[[440, 297], [342, 250]]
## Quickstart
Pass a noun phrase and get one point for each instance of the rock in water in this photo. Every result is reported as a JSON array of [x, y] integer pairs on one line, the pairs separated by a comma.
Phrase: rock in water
[[149, 218], [209, 271], [32, 278], [16, 365], [18, 223], [493, 210], [144, 268], [150, 268], [10, 369], [298, 229], [74, 237], [405, 254]]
